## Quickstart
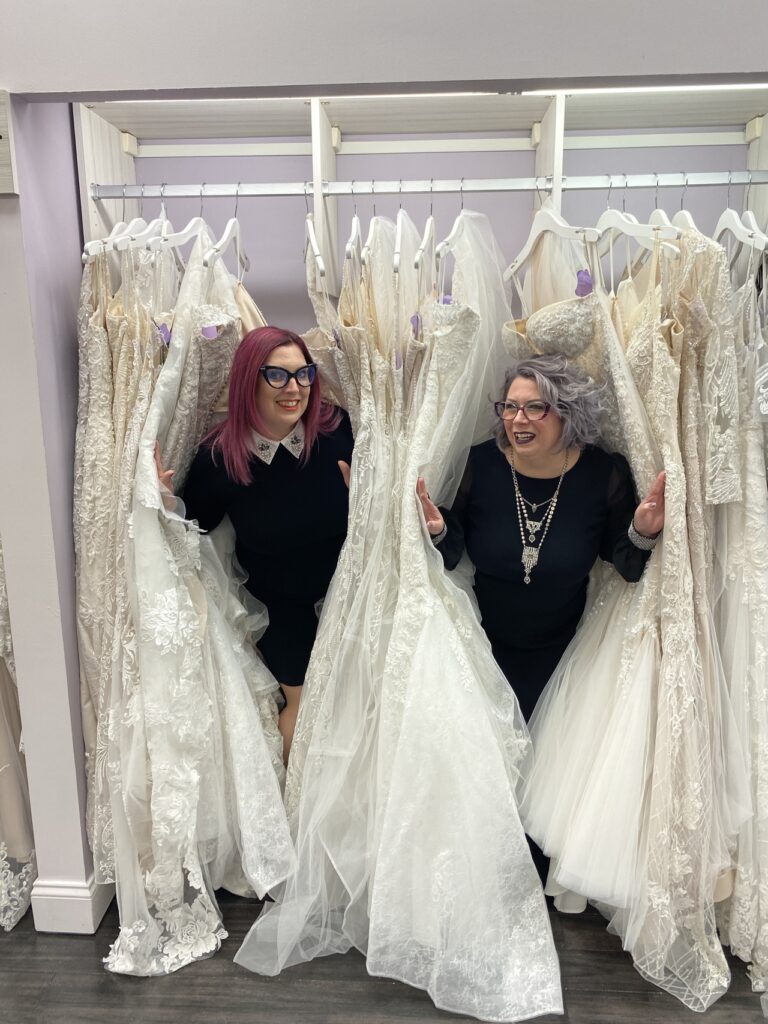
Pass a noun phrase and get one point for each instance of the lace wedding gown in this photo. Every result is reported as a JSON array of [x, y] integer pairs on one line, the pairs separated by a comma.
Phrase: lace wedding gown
[[409, 743], [17, 846], [192, 753], [631, 819], [741, 610]]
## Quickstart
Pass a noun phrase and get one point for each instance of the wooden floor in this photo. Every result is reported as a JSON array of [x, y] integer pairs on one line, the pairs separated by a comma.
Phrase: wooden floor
[[59, 979]]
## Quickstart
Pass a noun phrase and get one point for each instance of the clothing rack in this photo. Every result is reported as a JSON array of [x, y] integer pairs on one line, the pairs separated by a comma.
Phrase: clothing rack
[[675, 179]]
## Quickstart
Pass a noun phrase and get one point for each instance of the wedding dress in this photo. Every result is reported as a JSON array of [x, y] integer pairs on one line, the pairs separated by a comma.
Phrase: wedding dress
[[623, 791], [741, 610], [17, 847], [409, 743], [193, 756]]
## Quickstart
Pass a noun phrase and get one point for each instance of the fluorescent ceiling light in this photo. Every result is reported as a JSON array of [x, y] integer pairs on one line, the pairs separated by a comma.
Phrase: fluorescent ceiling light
[[224, 100], [739, 86]]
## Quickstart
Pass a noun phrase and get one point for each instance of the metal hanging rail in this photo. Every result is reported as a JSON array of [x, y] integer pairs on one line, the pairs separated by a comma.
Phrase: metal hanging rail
[[674, 179]]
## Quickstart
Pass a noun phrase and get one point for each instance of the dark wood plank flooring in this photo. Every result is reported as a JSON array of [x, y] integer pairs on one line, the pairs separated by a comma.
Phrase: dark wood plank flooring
[[59, 979]]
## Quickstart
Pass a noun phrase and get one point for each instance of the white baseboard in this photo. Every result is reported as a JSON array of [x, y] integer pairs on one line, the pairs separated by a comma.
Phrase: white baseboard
[[72, 907]]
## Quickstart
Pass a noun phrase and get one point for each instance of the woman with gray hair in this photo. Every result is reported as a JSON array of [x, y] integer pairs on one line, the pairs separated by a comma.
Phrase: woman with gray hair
[[537, 505]]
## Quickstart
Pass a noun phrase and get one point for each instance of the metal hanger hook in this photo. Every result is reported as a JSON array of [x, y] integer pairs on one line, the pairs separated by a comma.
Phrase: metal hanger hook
[[461, 192], [202, 190], [306, 195], [141, 202], [123, 215], [624, 194], [749, 188], [608, 197], [237, 198], [163, 211], [657, 190], [354, 200], [373, 193], [431, 191], [685, 189], [400, 193]]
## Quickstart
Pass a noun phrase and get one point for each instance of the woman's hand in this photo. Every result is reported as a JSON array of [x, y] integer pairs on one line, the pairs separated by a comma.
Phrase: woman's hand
[[649, 514], [165, 476], [432, 517]]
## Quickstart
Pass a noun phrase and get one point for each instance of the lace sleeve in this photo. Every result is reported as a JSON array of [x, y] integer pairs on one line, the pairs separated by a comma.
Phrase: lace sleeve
[[615, 545], [451, 547]]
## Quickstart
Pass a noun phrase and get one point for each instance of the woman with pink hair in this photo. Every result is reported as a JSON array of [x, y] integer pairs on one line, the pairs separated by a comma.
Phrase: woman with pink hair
[[273, 467]]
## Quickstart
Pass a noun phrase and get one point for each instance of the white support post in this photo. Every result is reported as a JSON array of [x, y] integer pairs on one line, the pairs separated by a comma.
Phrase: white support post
[[757, 160], [7, 158], [101, 156], [326, 214], [549, 153]]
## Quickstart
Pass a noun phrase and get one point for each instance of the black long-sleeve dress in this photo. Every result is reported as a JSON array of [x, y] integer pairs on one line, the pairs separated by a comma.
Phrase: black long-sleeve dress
[[530, 625], [290, 525]]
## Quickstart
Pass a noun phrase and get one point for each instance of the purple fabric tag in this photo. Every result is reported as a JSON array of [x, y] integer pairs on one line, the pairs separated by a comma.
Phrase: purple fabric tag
[[446, 300], [416, 325], [165, 333], [398, 361], [583, 283], [211, 332]]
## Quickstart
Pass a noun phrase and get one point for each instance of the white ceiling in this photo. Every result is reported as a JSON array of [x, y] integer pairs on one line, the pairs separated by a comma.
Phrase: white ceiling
[[433, 114]]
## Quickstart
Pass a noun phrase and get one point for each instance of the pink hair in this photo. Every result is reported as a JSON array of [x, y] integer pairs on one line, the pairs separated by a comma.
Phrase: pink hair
[[232, 437]]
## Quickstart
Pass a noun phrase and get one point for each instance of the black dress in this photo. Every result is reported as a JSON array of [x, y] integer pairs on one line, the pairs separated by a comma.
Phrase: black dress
[[530, 625], [290, 524]]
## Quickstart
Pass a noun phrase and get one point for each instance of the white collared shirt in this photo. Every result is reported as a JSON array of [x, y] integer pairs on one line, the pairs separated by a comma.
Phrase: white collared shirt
[[264, 448]]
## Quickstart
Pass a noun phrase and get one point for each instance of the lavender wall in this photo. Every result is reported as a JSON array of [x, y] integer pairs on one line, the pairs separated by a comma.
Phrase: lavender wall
[[273, 229], [49, 204]]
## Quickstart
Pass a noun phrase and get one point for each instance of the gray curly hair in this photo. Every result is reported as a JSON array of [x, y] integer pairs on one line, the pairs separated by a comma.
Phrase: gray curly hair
[[576, 398]]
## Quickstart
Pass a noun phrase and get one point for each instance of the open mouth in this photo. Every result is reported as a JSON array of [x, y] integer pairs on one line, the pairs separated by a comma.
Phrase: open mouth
[[523, 437], [289, 406]]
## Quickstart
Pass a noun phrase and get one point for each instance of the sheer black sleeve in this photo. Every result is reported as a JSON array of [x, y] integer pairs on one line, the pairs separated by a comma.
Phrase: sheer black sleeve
[[451, 547], [206, 491], [615, 545]]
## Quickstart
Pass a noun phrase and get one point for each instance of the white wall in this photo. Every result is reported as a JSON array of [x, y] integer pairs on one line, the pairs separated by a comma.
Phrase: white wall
[[47, 46]]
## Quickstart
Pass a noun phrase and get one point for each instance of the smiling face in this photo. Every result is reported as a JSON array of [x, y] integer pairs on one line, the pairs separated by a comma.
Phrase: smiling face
[[532, 441], [282, 408]]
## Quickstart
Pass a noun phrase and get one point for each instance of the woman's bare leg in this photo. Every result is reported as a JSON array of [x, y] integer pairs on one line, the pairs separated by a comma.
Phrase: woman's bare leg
[[287, 720]]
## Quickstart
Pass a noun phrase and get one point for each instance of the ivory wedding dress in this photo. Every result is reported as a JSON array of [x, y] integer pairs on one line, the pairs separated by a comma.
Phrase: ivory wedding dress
[[624, 793], [409, 746], [17, 846]]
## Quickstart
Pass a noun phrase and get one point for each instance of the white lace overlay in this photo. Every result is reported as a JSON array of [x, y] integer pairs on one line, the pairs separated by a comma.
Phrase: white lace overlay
[[17, 848], [409, 743], [184, 754], [633, 821]]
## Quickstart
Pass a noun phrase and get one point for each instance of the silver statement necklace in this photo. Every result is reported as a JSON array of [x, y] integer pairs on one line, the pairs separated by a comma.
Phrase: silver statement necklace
[[530, 527]]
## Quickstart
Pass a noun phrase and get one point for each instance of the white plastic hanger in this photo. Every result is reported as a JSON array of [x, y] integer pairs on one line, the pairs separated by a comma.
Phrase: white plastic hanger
[[309, 230], [195, 227], [547, 221], [232, 233], [353, 247], [398, 239], [427, 244], [92, 249], [365, 255], [749, 220], [614, 222], [134, 240], [730, 221], [683, 219]]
